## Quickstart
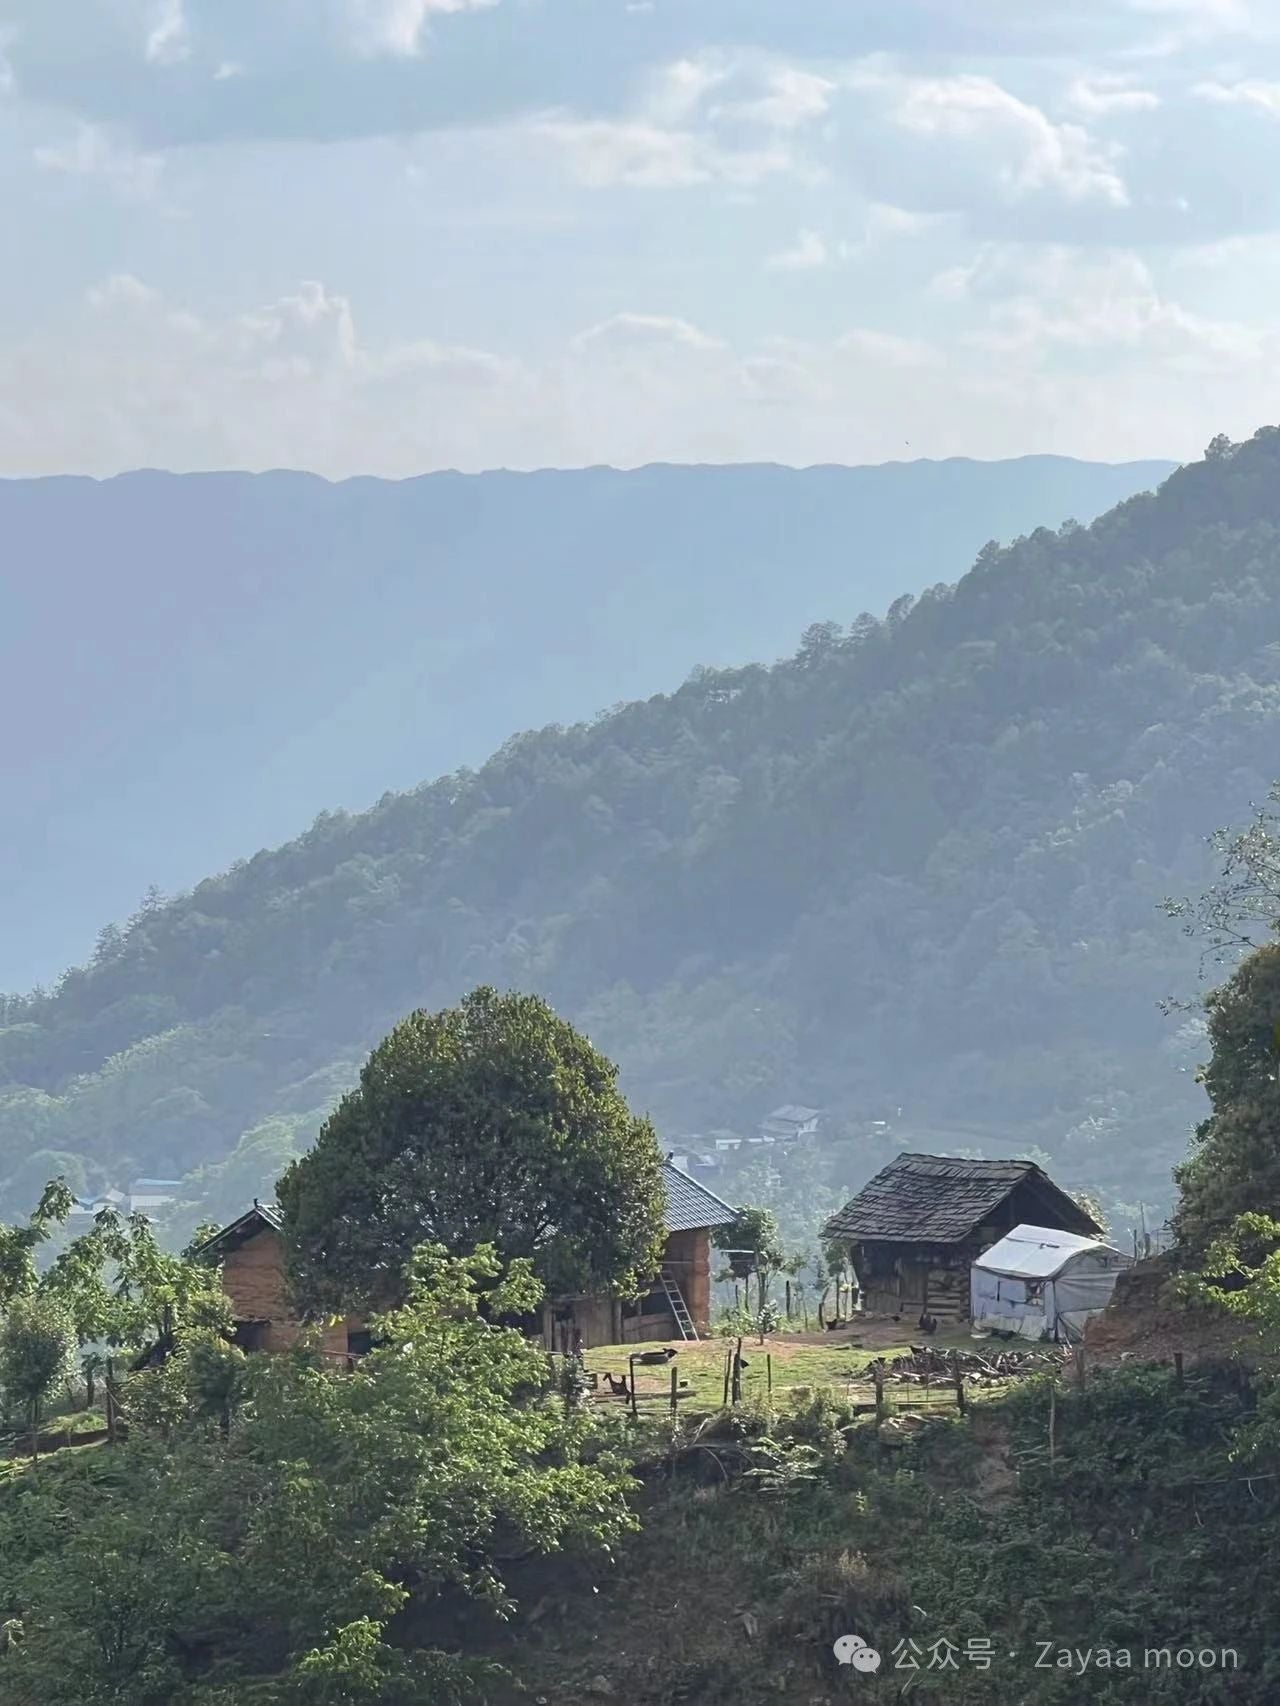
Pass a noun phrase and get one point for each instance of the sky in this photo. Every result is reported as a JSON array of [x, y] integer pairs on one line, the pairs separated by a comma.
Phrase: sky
[[384, 236]]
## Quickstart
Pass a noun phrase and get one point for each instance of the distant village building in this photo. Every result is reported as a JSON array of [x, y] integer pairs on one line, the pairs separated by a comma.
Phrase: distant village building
[[89, 1208], [148, 1194], [788, 1123], [915, 1230], [676, 1305]]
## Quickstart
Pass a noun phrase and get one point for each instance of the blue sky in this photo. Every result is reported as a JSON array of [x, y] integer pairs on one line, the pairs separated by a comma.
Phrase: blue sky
[[379, 236]]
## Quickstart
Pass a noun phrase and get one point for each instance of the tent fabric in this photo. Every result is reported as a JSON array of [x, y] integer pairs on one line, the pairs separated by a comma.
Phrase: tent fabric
[[1040, 1283], [1037, 1252]]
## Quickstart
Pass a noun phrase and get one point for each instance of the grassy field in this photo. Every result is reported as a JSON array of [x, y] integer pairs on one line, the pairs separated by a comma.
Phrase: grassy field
[[793, 1359]]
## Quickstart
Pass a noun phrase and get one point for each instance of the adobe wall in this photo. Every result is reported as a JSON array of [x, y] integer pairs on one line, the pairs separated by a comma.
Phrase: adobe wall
[[253, 1277], [688, 1255]]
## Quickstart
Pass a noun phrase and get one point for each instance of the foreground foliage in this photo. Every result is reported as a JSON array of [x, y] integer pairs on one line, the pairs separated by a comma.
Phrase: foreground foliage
[[965, 1552], [276, 1531]]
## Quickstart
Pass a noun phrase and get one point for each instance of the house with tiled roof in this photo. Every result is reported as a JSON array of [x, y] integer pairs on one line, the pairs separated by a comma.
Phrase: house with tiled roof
[[914, 1230], [677, 1304], [251, 1253]]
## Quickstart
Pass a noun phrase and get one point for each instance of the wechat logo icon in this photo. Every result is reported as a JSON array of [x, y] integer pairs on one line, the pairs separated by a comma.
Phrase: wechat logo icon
[[853, 1650]]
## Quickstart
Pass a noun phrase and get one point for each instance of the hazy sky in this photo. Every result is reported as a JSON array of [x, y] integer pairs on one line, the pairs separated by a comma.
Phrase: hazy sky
[[387, 235]]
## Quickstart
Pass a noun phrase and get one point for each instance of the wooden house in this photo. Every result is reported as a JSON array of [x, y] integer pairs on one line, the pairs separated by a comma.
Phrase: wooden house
[[677, 1304], [915, 1229], [251, 1251]]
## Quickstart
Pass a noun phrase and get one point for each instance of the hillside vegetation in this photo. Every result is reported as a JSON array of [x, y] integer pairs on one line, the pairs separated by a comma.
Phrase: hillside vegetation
[[919, 863], [232, 651]]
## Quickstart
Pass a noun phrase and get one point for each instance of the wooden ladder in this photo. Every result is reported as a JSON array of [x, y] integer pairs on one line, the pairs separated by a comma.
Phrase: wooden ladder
[[679, 1308]]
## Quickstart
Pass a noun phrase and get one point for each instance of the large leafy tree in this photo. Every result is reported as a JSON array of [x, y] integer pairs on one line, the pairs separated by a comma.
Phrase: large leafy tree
[[1234, 1166], [37, 1342], [493, 1122]]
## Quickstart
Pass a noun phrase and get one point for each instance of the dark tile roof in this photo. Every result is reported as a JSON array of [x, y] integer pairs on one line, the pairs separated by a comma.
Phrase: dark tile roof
[[262, 1216], [940, 1199], [691, 1205]]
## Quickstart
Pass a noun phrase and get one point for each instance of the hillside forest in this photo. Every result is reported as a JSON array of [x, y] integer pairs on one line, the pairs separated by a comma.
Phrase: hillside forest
[[235, 650], [918, 865]]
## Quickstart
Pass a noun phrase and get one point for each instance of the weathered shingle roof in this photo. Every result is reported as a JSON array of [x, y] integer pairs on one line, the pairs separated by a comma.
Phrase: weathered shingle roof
[[691, 1205], [940, 1199]]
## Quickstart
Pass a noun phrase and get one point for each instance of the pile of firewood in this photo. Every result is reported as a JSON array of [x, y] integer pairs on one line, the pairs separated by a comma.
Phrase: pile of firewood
[[925, 1362]]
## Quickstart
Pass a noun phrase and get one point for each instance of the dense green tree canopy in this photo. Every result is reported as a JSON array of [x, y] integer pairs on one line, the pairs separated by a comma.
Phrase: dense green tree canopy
[[1234, 1167], [493, 1122], [276, 1515]]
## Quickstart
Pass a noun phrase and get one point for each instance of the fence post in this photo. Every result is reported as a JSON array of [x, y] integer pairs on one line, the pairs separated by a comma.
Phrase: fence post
[[958, 1374], [737, 1372], [728, 1365], [1080, 1366], [768, 1372], [673, 1389], [109, 1400], [1053, 1422], [877, 1375]]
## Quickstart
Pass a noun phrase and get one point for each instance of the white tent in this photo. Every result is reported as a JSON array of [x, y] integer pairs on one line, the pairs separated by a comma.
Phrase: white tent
[[1041, 1283]]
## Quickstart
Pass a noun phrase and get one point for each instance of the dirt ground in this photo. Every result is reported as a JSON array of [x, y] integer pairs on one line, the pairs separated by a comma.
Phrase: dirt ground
[[1145, 1322]]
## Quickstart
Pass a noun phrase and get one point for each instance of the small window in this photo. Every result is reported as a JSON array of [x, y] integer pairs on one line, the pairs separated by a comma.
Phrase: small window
[[250, 1335], [359, 1342]]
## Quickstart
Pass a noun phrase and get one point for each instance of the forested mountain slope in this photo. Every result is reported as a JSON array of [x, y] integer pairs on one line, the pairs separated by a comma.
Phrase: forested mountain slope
[[198, 662], [920, 861]]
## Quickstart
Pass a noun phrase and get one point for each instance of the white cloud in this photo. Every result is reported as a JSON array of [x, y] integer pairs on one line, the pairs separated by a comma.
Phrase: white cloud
[[629, 331], [120, 290], [887, 348], [8, 82], [169, 39], [1076, 353], [675, 94], [1108, 93], [808, 252], [396, 27], [605, 152], [94, 153], [1249, 92], [792, 98], [1094, 306], [1022, 149], [1194, 22]]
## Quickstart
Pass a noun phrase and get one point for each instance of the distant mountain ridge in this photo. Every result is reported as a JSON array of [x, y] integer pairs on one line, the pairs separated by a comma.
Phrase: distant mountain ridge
[[199, 662], [917, 866]]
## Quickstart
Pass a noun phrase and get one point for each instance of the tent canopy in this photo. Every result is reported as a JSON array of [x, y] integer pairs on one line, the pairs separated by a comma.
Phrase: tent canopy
[[1038, 1252]]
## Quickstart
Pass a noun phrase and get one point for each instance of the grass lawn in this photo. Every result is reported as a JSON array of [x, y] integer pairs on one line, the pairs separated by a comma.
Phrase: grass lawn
[[796, 1359]]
